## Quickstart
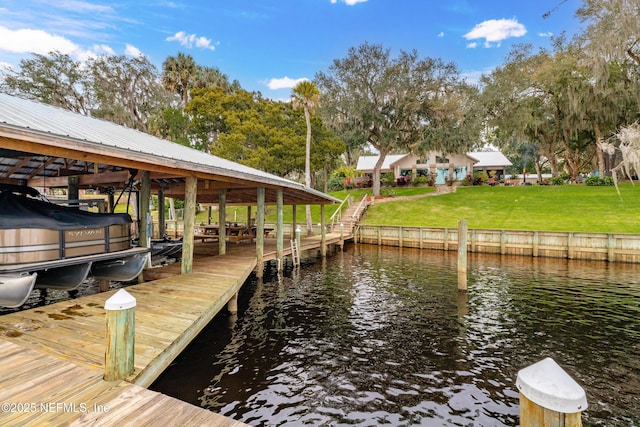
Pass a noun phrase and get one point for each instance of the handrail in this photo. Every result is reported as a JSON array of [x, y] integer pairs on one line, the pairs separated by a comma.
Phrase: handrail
[[355, 216], [338, 212]]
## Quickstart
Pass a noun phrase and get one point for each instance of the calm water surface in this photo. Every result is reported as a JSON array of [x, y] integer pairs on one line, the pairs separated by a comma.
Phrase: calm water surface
[[380, 336]]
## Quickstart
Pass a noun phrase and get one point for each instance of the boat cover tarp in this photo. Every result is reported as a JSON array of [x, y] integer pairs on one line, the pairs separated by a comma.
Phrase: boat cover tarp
[[17, 211]]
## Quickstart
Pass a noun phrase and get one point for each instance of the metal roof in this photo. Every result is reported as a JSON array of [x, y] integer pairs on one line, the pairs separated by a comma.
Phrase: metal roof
[[368, 163], [42, 144], [489, 159]]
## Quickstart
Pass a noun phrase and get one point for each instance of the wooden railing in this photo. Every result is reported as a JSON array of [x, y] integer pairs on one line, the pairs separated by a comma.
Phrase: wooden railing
[[337, 215], [362, 206]]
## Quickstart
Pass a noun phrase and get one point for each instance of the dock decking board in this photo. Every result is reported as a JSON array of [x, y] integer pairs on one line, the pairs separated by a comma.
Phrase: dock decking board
[[55, 353], [45, 390]]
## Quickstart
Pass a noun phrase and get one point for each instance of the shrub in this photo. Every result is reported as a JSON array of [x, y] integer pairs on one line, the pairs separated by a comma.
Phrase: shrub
[[387, 179], [480, 177], [556, 180], [420, 180], [336, 183], [597, 181]]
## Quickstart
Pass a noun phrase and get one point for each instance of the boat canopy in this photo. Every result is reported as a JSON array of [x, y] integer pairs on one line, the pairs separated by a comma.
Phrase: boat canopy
[[18, 211]]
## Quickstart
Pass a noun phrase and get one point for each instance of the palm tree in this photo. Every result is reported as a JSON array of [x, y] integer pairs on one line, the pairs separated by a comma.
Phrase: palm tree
[[211, 77], [306, 95], [178, 74]]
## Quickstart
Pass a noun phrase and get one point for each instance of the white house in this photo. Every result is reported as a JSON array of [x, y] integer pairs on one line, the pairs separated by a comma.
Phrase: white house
[[493, 163], [450, 167]]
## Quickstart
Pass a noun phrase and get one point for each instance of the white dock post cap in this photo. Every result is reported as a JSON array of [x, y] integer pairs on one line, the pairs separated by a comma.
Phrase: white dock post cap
[[121, 300], [546, 384]]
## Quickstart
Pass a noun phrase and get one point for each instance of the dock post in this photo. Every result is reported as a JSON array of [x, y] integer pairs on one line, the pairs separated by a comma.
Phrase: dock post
[[119, 354], [260, 233], [323, 234], [232, 305], [341, 236], [462, 256], [549, 396], [279, 229], [222, 219], [191, 192], [298, 233]]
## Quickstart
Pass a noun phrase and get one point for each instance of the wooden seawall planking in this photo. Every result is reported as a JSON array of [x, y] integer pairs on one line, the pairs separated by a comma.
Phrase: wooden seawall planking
[[53, 356]]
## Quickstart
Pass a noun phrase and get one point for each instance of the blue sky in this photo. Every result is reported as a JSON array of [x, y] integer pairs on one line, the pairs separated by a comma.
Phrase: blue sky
[[268, 45]]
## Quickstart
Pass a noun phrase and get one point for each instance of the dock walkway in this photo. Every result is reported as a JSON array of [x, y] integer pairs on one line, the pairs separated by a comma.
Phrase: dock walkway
[[59, 348]]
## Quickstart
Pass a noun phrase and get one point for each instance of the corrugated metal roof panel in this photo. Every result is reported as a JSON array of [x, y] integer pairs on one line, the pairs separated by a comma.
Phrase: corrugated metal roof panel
[[35, 117]]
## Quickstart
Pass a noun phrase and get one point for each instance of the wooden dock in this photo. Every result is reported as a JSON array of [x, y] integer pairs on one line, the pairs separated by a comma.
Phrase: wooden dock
[[38, 389], [55, 354]]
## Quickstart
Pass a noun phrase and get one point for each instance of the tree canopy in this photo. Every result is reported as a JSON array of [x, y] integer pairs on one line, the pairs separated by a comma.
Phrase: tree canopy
[[394, 103], [269, 135]]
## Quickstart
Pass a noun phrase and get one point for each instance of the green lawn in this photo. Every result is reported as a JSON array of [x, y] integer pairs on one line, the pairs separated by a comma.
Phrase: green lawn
[[553, 208], [550, 208]]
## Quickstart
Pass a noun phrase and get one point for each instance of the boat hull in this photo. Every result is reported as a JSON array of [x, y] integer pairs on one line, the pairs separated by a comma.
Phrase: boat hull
[[120, 269], [15, 288], [67, 278]]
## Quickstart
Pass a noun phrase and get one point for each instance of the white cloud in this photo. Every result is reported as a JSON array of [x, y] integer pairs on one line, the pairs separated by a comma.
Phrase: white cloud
[[133, 51], [102, 49], [496, 30], [349, 2], [82, 6], [472, 45], [441, 34], [27, 40], [189, 40], [284, 83], [547, 34]]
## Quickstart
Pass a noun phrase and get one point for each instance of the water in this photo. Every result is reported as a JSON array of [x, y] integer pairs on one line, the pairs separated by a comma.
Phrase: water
[[380, 336]]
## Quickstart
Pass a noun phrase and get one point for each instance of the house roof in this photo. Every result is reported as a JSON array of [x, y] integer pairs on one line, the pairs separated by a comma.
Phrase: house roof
[[367, 163], [42, 143], [489, 159]]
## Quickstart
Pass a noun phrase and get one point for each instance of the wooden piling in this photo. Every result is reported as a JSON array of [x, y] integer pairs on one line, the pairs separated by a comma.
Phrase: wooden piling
[[549, 396], [222, 219], [120, 335], [260, 233], [191, 190], [279, 230], [462, 255], [323, 233], [232, 305]]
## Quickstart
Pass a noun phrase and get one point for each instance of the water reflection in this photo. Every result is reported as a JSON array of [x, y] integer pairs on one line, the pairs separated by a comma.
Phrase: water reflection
[[381, 336]]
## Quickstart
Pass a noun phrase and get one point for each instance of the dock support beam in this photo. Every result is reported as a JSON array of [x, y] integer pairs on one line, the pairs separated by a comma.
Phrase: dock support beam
[[73, 192], [279, 229], [294, 222], [549, 396], [145, 217], [232, 305], [462, 255], [189, 223], [162, 223], [222, 220], [260, 234], [323, 234], [119, 354]]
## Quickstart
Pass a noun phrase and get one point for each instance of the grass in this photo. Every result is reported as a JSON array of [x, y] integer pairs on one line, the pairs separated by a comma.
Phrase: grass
[[576, 208]]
